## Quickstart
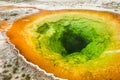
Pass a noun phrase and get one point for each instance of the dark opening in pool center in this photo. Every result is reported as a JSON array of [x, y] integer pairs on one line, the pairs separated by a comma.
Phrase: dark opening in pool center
[[72, 42]]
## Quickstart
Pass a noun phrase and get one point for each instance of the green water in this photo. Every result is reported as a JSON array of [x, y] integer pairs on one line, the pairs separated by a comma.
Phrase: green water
[[77, 39]]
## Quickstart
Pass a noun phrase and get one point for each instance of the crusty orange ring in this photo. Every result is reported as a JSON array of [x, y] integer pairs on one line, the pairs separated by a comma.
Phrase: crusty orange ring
[[48, 39]]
